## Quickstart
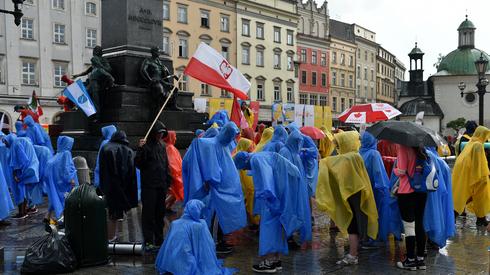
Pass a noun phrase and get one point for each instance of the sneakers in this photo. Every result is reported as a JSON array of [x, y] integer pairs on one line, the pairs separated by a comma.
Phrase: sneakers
[[223, 249], [150, 248], [408, 265], [265, 266], [277, 265], [19, 216], [421, 264], [481, 221], [369, 245], [349, 260]]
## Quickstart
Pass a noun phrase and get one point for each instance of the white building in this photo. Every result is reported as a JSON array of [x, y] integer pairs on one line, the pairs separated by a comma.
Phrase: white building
[[55, 37], [367, 50]]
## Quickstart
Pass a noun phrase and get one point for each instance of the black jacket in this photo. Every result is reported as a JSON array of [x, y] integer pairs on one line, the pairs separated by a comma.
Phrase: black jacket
[[118, 173]]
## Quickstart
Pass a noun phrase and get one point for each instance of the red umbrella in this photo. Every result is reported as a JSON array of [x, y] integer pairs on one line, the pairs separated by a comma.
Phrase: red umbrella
[[313, 132], [369, 113]]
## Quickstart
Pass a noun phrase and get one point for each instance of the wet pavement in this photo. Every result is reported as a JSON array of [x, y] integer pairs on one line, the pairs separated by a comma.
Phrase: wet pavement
[[466, 253]]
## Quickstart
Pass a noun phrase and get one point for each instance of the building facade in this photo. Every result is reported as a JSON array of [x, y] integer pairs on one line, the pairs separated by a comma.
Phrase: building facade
[[385, 78], [343, 49], [55, 37], [187, 23], [399, 78], [313, 53], [266, 47], [365, 65]]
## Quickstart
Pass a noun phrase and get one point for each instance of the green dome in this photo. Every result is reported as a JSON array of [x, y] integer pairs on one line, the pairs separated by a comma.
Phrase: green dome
[[416, 50], [466, 24], [461, 61]]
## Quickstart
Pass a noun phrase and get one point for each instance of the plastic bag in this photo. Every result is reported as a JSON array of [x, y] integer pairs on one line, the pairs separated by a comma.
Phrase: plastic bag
[[49, 254]]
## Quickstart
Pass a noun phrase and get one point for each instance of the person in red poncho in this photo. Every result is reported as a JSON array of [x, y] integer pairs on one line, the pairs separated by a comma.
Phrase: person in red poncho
[[176, 191], [26, 111]]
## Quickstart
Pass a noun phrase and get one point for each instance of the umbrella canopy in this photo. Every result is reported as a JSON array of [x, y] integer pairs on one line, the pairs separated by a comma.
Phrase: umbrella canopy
[[369, 113], [406, 133], [313, 132]]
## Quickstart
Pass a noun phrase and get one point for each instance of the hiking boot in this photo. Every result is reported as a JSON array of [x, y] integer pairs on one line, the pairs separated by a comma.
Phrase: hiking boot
[[421, 264], [481, 221], [407, 265], [349, 260], [265, 266]]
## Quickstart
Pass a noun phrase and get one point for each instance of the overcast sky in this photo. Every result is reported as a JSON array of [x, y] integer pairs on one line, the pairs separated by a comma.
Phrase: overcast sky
[[432, 23]]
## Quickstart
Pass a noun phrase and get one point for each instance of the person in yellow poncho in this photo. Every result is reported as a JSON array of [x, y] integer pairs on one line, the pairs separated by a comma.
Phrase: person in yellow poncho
[[325, 145], [266, 137], [248, 114], [471, 182], [344, 192], [246, 145]]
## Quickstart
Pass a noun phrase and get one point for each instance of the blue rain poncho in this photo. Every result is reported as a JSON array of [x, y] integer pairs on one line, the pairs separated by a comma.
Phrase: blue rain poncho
[[35, 191], [379, 182], [24, 164], [291, 151], [220, 118], [37, 134], [278, 140], [210, 133], [60, 172], [277, 182], [6, 204], [210, 175], [107, 133], [189, 247], [19, 127], [5, 162]]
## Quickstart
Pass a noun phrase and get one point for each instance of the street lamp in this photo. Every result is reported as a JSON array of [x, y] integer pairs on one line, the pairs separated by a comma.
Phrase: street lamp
[[481, 68], [17, 12]]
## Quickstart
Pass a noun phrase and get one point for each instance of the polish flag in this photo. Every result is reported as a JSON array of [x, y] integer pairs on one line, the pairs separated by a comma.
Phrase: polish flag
[[210, 67]]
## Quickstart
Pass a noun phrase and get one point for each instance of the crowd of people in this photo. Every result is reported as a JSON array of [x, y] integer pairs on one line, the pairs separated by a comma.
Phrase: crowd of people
[[265, 179]]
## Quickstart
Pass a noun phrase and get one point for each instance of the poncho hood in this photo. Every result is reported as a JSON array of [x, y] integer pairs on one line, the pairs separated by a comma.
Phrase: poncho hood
[[108, 131], [193, 210], [211, 132], [347, 142], [228, 133], [64, 144], [19, 126], [294, 142], [120, 137], [482, 134], [265, 138], [368, 142], [244, 145], [10, 139], [171, 138], [242, 160], [293, 127], [198, 132], [29, 121], [280, 134]]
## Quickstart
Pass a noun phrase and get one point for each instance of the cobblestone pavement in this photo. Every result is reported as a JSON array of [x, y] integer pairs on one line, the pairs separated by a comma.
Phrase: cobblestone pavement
[[465, 254]]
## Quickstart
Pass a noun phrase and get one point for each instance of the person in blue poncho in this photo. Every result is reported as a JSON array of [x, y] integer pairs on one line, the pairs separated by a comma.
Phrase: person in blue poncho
[[37, 134], [220, 118], [291, 151], [278, 140], [25, 169], [211, 132], [61, 177], [19, 127], [5, 162], [107, 133], [34, 192], [198, 133], [277, 182], [189, 248], [379, 181], [209, 174], [6, 204]]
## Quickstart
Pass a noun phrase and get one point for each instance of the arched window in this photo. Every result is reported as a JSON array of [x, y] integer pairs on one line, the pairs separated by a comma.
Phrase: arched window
[[6, 126]]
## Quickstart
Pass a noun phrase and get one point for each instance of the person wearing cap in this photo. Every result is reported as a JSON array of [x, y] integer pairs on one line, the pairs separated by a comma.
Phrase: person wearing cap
[[151, 159]]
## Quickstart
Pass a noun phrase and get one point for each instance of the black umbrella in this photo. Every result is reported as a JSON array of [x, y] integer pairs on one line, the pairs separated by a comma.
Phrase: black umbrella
[[406, 133]]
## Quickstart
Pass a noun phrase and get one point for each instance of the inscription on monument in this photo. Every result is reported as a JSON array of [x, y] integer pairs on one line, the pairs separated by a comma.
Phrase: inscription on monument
[[145, 17]]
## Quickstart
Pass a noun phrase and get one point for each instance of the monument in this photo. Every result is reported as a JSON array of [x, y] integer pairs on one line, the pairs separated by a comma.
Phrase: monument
[[130, 29]]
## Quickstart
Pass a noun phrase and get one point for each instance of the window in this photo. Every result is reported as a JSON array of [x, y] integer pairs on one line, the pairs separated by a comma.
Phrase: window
[[277, 34], [351, 81], [91, 38], [277, 60], [303, 98], [225, 52], [365, 91], [59, 34], [303, 56], [365, 74], [290, 94], [290, 63], [313, 99], [372, 75], [26, 28], [29, 73], [166, 44], [365, 55], [372, 93], [59, 71], [324, 80], [334, 104], [58, 4], [351, 102], [342, 104], [245, 55], [372, 57], [204, 19], [358, 90], [323, 100], [183, 49], [358, 72], [290, 37], [204, 89], [2, 70], [260, 58], [303, 77], [225, 23], [260, 91], [358, 53], [245, 27], [334, 57], [313, 57], [334, 78], [313, 78], [260, 31], [277, 92], [342, 80], [91, 9], [351, 61], [183, 82], [225, 93], [342, 59], [182, 14], [323, 59]]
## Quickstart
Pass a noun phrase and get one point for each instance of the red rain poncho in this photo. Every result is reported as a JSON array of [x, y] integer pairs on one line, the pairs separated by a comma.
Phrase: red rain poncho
[[175, 164]]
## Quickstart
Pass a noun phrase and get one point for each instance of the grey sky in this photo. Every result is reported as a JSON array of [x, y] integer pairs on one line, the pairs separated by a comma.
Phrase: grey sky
[[432, 23]]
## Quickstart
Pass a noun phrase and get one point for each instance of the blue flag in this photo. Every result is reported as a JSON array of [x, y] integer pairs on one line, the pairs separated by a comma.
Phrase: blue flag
[[77, 93]]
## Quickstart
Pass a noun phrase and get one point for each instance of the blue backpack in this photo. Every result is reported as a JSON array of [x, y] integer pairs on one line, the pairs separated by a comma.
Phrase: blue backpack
[[425, 177]]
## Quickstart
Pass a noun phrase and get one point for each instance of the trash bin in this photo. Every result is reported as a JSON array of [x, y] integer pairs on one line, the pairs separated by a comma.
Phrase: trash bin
[[86, 225], [83, 172]]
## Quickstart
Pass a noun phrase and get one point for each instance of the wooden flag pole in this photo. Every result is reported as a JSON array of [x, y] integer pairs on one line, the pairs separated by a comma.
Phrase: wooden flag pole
[[163, 106]]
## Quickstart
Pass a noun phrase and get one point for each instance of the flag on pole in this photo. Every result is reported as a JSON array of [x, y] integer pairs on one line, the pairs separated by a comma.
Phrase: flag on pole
[[210, 67], [237, 115], [33, 101], [1, 121], [77, 93]]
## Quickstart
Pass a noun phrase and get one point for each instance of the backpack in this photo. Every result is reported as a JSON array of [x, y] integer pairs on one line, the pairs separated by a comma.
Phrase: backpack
[[425, 177]]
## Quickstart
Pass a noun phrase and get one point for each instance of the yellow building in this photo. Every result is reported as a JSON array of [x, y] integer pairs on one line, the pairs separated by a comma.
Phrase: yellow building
[[186, 23], [385, 80], [342, 66]]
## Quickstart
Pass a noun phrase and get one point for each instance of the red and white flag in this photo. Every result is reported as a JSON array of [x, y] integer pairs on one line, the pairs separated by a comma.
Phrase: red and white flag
[[210, 67]]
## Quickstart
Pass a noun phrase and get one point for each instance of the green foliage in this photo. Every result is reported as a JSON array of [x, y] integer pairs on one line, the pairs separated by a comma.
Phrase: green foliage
[[456, 124]]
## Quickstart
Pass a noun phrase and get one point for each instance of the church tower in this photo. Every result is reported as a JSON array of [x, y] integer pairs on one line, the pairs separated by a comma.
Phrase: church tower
[[416, 65], [466, 34]]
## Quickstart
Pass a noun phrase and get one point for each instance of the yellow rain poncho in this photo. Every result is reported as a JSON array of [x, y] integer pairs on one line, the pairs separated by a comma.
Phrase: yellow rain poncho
[[471, 184], [266, 137], [249, 117], [246, 145], [325, 145], [341, 177]]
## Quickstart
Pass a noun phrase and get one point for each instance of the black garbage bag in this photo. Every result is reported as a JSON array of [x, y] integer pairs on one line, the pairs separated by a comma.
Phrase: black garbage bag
[[48, 255]]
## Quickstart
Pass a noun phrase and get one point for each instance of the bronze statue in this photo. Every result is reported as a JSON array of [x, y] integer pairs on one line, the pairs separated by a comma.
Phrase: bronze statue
[[100, 78], [159, 80]]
